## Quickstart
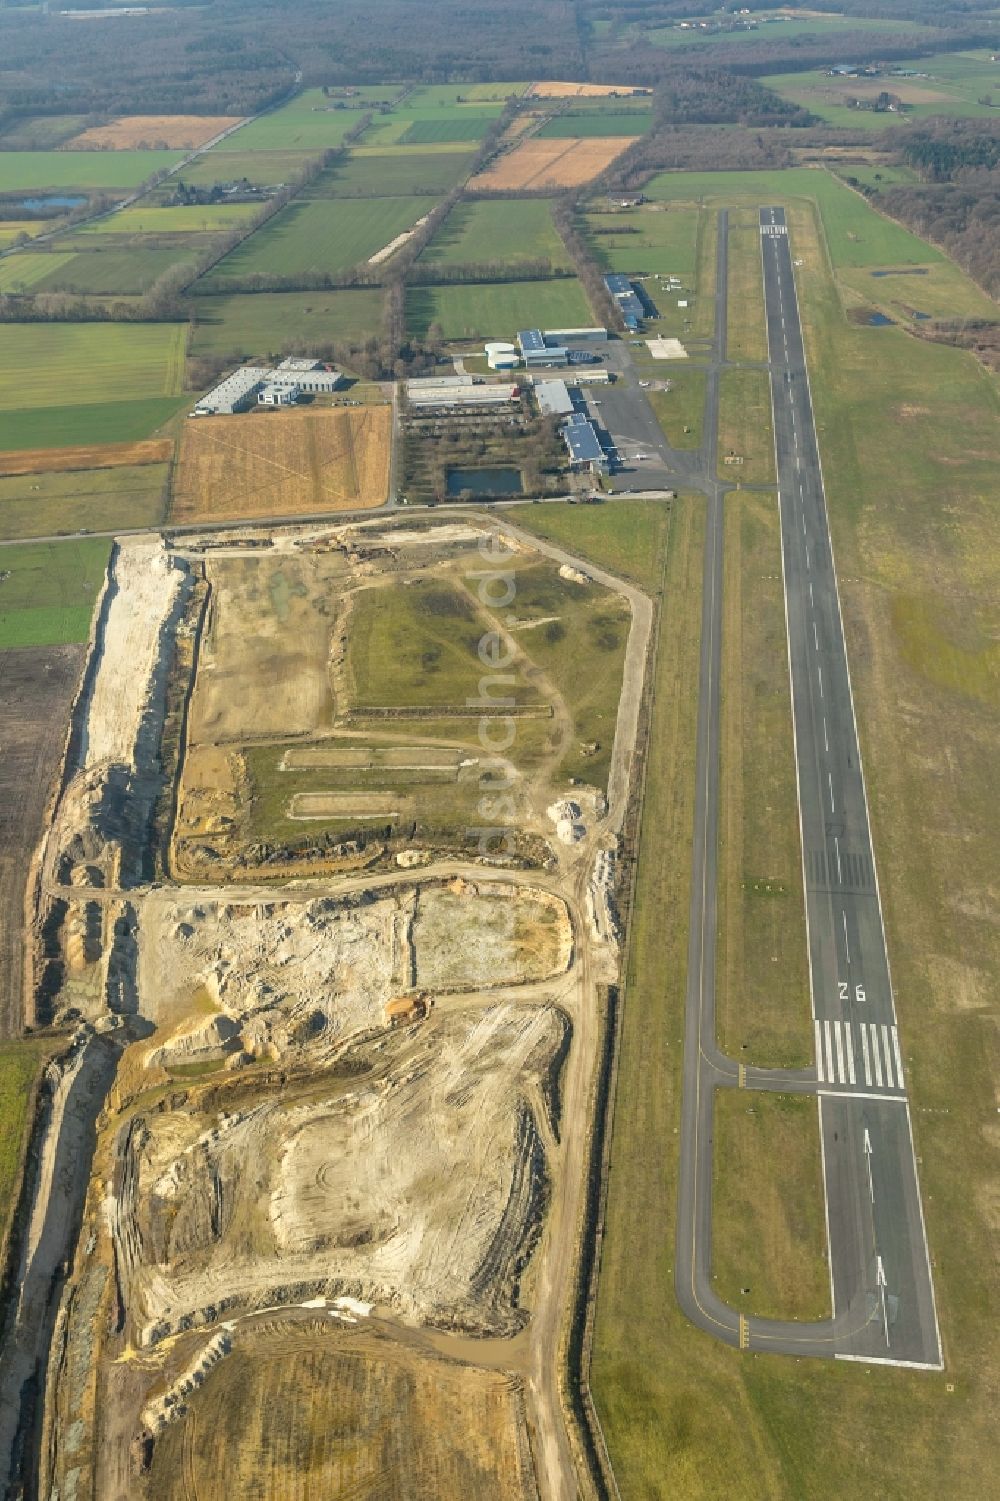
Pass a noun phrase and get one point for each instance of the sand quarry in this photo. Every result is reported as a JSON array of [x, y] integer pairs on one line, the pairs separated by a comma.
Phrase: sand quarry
[[344, 1115]]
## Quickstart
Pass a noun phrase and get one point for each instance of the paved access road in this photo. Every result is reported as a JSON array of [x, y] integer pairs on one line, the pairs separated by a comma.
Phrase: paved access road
[[880, 1279]]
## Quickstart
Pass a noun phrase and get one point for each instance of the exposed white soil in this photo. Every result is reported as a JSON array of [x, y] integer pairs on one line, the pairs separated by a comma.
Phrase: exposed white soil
[[351, 1191], [146, 581]]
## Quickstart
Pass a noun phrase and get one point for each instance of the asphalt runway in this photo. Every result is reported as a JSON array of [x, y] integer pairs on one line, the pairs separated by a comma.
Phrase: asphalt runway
[[881, 1289]]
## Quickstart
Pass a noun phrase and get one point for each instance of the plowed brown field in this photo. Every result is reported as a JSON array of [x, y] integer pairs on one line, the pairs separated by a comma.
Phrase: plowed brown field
[[176, 131], [88, 456], [282, 464], [578, 91], [552, 163]]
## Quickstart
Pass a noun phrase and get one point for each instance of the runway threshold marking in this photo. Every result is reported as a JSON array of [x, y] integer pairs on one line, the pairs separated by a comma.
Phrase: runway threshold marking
[[744, 1332]]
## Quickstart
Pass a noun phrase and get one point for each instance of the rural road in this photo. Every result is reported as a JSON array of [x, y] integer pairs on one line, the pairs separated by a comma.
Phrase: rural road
[[882, 1296]]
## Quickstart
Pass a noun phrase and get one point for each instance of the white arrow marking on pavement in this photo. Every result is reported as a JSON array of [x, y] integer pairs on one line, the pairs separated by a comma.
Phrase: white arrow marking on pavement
[[868, 1165]]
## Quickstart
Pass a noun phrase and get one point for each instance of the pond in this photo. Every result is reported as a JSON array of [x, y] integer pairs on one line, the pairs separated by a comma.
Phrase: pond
[[53, 200], [879, 320], [484, 484]]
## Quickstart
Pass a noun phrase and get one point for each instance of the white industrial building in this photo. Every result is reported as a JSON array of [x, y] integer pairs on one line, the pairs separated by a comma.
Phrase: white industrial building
[[553, 398], [272, 395], [246, 387], [456, 394], [576, 335], [501, 356]]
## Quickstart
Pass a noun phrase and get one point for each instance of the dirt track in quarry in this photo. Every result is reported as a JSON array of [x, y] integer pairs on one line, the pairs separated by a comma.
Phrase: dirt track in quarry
[[273, 1143]]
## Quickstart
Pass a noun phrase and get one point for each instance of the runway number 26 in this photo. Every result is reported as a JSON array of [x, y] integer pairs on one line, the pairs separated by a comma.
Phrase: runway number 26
[[859, 992]]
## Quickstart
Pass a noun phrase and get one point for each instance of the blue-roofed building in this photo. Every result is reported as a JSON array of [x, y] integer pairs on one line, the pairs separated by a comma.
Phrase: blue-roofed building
[[583, 444], [536, 350], [627, 298]]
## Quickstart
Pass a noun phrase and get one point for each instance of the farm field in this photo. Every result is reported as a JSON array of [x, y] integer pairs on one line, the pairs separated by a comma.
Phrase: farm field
[[282, 463], [93, 456], [552, 90], [159, 132], [55, 428], [551, 164], [12, 229], [456, 1431], [98, 362], [475, 310], [48, 591], [40, 132], [24, 270], [43, 503], [422, 128], [596, 122], [503, 231], [309, 123], [265, 323], [319, 235], [230, 163], [21, 1064], [37, 685], [855, 234], [83, 171], [197, 218], [366, 175], [103, 271], [638, 242]]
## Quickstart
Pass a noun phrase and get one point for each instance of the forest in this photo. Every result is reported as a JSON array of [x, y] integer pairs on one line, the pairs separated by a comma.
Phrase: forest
[[235, 56]]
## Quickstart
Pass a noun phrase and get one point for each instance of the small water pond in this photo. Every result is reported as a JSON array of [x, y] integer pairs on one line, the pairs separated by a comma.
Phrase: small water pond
[[484, 484]]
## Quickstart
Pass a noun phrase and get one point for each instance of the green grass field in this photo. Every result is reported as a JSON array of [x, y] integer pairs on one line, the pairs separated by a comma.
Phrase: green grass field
[[789, 25], [275, 322], [22, 272], [640, 242], [627, 536], [594, 122], [418, 645], [95, 362], [100, 500], [769, 1236], [322, 234], [265, 168], [40, 132], [91, 422], [84, 171], [485, 98], [502, 231], [21, 1063], [951, 83], [579, 643], [48, 589], [682, 406], [366, 176], [309, 123], [855, 233], [478, 310], [456, 127], [106, 270], [201, 218]]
